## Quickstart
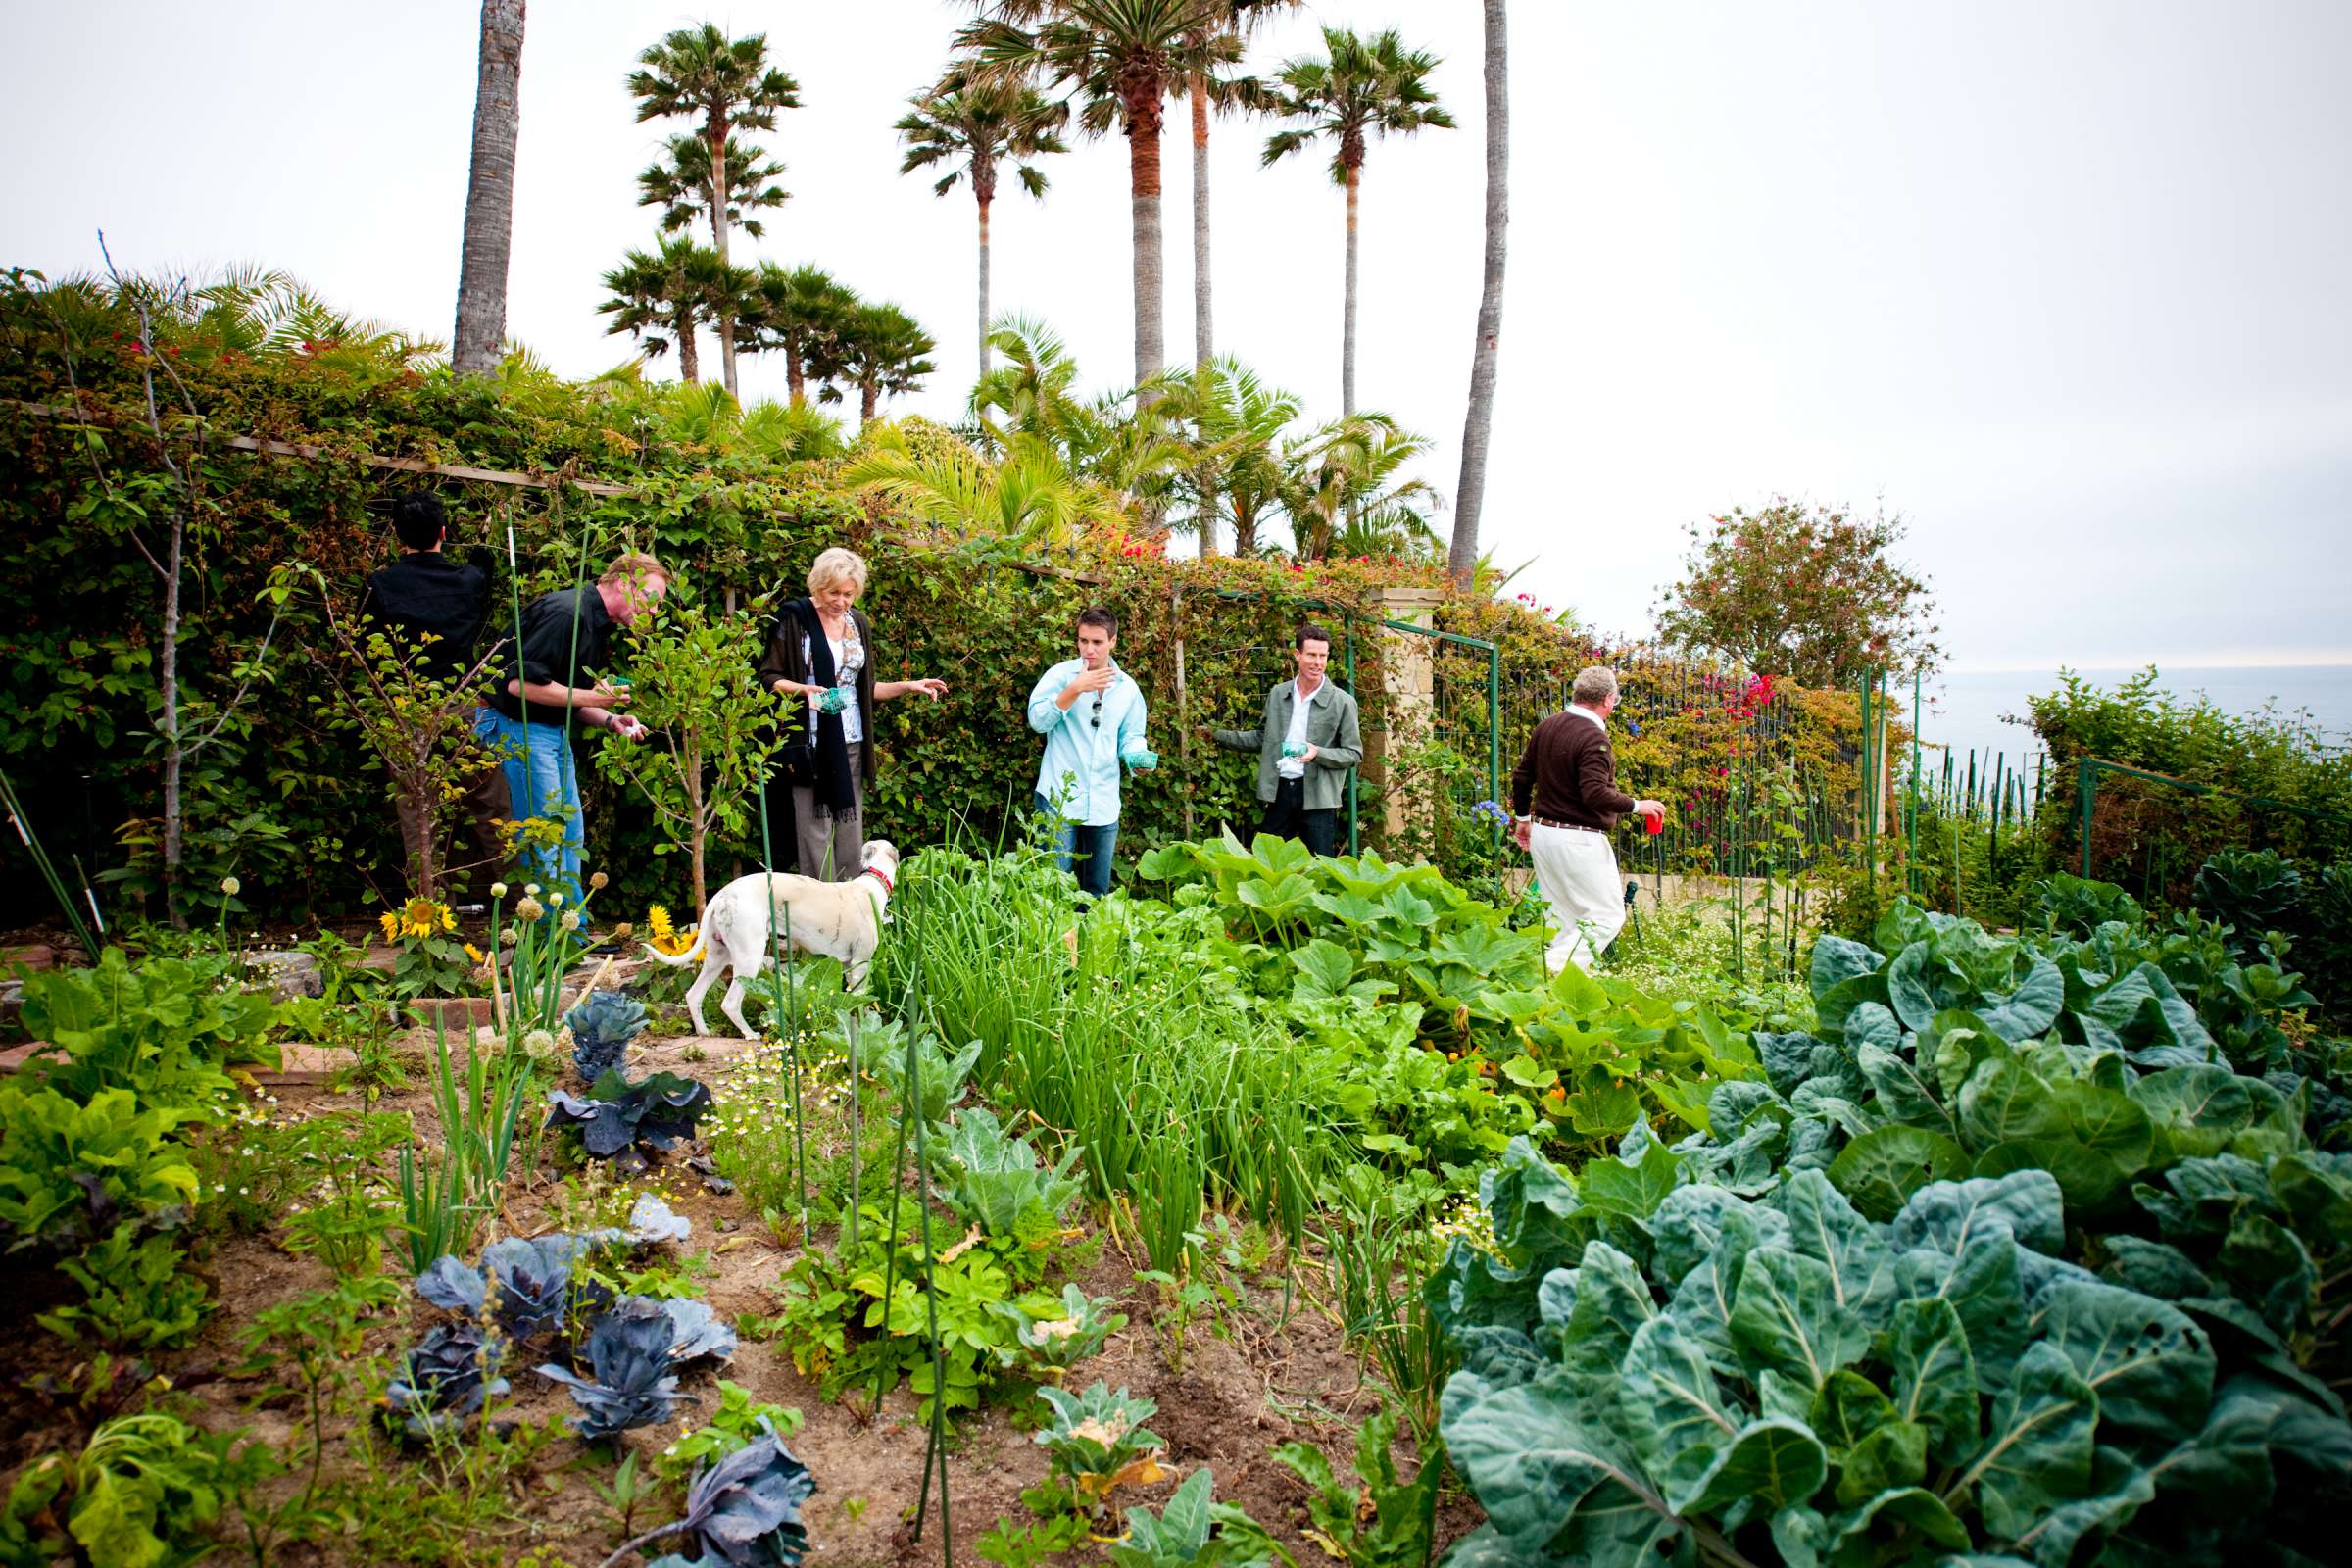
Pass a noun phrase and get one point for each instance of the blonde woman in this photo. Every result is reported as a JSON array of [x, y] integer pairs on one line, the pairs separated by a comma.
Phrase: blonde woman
[[821, 648]]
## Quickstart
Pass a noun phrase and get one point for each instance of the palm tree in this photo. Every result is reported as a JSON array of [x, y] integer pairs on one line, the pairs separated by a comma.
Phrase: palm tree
[[681, 184], [1030, 497], [1366, 87], [657, 298], [1228, 422], [802, 311], [971, 127], [1477, 424], [1350, 467], [482, 329], [1120, 58], [1207, 92], [880, 350], [727, 85], [1032, 389]]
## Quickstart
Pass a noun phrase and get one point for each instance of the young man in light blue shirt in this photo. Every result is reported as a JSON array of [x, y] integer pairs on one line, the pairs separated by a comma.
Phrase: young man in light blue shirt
[[1090, 713]]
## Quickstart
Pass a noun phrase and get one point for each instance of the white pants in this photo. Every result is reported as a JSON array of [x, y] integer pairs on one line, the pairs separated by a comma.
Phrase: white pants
[[1577, 874]]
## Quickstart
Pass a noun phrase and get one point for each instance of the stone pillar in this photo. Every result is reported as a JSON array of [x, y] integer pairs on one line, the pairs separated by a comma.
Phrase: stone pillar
[[1408, 686]]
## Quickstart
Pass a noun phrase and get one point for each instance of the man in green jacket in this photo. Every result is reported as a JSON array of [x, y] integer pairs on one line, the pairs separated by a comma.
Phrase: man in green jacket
[[1305, 743]]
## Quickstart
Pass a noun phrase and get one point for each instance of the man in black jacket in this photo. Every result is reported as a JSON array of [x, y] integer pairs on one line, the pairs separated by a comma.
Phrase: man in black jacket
[[434, 610]]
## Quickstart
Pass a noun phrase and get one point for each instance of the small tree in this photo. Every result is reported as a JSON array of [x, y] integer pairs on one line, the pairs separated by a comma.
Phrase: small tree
[[711, 729], [419, 724], [1810, 593]]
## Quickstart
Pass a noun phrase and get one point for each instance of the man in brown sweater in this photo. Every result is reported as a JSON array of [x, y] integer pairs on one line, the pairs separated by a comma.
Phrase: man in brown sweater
[[1565, 801]]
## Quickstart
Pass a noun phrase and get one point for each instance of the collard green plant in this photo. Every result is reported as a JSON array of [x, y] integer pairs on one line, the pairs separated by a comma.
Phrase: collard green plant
[[1692, 1376], [601, 1025], [630, 1347], [995, 1179]]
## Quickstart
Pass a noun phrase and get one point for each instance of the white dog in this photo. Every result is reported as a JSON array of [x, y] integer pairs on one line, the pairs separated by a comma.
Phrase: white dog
[[830, 919]]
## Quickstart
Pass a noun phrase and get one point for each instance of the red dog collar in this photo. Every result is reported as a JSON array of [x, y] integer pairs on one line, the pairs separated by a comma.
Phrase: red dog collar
[[881, 877]]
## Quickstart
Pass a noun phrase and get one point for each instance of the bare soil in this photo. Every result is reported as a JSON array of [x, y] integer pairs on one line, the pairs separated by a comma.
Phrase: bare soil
[[1260, 1378]]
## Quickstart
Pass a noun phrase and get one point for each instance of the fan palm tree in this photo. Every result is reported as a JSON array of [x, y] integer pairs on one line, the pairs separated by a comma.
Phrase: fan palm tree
[[659, 298], [482, 329], [802, 310], [1351, 467], [1031, 392], [1206, 93], [724, 84], [1120, 59], [971, 128], [1030, 497], [1229, 423], [1477, 424], [1366, 87], [680, 184], [880, 350]]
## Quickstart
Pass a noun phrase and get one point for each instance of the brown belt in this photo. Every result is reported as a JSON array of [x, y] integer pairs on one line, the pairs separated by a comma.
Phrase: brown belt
[[1573, 827]]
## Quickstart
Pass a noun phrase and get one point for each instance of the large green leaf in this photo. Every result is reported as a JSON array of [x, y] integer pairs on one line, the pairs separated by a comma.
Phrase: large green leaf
[[2086, 1177], [1880, 1169], [1912, 1509], [1597, 1306], [1771, 1460], [1824, 1225], [1556, 1480], [1982, 1285], [1836, 959], [2028, 1011], [1693, 1221], [2151, 1367], [1934, 1374], [1669, 1398], [2004, 1101], [2038, 1451], [1906, 1094], [1631, 1188], [1785, 1315], [2025, 1205], [2109, 1122], [2197, 1110]]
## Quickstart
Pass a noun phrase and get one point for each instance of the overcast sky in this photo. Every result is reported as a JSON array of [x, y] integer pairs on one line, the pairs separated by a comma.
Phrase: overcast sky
[[2063, 282]]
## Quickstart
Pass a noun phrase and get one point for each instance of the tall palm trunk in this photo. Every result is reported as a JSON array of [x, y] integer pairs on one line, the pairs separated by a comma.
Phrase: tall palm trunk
[[717, 135], [869, 399], [1355, 176], [1205, 336], [983, 192], [1461, 560], [796, 379], [1143, 106], [690, 361], [481, 327]]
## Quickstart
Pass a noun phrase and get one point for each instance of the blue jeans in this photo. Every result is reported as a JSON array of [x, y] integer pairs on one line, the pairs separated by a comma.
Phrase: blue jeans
[[544, 782], [1089, 847]]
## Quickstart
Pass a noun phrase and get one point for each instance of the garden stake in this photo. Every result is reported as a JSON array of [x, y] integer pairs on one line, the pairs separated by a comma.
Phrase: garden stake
[[40, 858], [854, 1183], [778, 980]]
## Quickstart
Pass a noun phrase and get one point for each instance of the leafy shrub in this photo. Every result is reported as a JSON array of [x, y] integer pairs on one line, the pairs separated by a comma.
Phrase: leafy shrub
[[2075, 906], [145, 1489], [1389, 1523], [140, 1295], [2253, 892], [166, 1029], [1702, 1377], [739, 1420], [71, 1170]]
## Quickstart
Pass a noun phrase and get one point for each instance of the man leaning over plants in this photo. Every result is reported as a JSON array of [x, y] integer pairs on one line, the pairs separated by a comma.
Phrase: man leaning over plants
[[1091, 712], [438, 608], [1305, 743], [1565, 802], [559, 688]]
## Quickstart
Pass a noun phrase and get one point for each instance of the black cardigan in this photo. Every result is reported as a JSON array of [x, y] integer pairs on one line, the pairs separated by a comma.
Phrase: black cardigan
[[784, 660]]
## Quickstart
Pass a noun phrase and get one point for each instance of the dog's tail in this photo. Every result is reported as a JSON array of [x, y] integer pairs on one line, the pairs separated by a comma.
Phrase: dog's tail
[[679, 960]]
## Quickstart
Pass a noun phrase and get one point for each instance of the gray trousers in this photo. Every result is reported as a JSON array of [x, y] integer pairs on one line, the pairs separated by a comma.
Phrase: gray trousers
[[832, 843]]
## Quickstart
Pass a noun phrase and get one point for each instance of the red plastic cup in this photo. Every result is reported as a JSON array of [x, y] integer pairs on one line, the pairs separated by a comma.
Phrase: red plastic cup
[[1654, 825]]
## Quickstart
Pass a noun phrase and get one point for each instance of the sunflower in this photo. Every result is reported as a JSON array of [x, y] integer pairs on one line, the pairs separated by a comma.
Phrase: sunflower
[[420, 917], [664, 937]]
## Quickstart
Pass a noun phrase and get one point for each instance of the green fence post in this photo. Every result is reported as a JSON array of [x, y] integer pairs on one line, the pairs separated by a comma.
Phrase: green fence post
[[1495, 731], [2087, 789]]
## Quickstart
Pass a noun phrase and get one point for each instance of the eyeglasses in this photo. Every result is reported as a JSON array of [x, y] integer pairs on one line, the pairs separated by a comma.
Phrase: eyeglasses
[[1097, 719]]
